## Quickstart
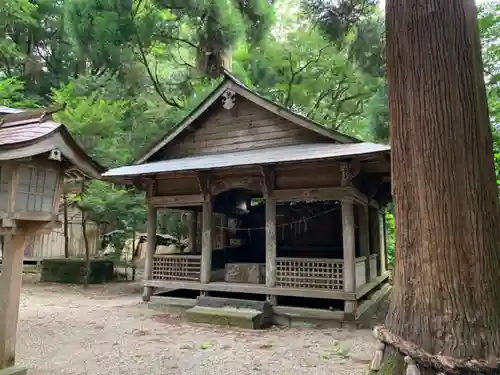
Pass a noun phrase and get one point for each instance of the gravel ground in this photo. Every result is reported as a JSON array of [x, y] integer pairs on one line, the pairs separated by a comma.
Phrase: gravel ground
[[106, 330]]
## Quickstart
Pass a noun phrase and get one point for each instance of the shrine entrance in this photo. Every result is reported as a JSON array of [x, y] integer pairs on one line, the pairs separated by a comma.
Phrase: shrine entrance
[[239, 254]]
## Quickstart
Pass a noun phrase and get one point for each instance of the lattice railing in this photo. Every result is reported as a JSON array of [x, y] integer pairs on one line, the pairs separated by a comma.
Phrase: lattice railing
[[176, 267], [309, 273]]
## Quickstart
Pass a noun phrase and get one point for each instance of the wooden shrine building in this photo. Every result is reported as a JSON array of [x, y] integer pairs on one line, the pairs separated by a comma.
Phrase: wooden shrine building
[[281, 207]]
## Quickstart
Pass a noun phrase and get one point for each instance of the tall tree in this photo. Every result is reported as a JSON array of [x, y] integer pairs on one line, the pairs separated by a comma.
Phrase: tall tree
[[445, 297]]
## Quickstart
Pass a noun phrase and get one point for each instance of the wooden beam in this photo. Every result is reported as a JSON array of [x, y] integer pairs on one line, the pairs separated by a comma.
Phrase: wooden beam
[[327, 193], [347, 176], [268, 179], [176, 200], [253, 289], [204, 183], [349, 246], [151, 248]]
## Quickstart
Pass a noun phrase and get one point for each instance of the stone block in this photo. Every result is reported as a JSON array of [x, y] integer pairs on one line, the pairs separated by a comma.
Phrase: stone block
[[251, 273], [226, 316], [231, 304]]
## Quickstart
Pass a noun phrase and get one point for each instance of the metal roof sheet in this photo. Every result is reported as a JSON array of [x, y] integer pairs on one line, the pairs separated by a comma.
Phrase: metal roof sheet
[[6, 110], [26, 132], [34, 132], [260, 156]]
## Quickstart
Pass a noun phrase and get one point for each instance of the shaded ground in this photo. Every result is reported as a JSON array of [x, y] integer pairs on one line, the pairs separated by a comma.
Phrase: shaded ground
[[106, 330]]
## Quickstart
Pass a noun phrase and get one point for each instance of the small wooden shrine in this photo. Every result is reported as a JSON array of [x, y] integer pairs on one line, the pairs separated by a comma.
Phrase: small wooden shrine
[[36, 154], [279, 205]]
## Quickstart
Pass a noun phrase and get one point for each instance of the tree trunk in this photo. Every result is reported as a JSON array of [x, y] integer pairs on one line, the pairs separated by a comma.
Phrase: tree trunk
[[445, 296]]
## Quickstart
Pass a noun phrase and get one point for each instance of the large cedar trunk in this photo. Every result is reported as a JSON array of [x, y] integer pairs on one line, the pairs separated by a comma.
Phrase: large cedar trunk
[[446, 295]]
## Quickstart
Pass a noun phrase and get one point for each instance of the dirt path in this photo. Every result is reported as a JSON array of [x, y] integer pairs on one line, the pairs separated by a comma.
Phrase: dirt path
[[64, 330]]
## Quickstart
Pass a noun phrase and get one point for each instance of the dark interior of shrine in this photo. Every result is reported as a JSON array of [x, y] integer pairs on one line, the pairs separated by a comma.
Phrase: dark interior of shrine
[[303, 229]]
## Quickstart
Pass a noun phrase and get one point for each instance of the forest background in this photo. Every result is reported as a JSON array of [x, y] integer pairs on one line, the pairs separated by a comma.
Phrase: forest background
[[128, 71]]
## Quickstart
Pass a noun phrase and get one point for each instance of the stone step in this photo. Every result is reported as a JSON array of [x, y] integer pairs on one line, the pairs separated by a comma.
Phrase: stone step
[[227, 316], [265, 309]]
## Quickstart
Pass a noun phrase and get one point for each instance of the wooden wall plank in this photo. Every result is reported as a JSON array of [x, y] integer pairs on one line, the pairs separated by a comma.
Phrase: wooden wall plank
[[246, 126]]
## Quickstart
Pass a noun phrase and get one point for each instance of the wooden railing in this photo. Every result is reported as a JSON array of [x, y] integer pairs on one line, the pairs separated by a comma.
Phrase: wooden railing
[[310, 273], [177, 267]]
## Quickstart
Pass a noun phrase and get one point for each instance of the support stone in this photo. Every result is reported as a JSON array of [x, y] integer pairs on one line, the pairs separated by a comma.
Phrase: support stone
[[151, 248], [349, 245], [206, 241], [364, 238], [10, 292]]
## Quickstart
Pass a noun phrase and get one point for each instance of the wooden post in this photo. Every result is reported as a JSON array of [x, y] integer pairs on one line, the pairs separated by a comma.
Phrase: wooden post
[[383, 250], [193, 231], [268, 185], [206, 242], [151, 248], [349, 244], [364, 238], [10, 293], [207, 227], [270, 242]]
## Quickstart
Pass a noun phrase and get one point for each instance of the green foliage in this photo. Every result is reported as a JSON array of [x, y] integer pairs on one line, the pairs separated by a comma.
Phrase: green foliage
[[306, 73], [12, 94], [391, 237], [72, 271]]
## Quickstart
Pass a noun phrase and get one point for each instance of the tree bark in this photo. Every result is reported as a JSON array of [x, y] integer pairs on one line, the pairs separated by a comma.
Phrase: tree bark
[[445, 296]]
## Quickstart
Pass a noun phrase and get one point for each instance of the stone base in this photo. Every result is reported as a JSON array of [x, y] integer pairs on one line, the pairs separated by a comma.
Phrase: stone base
[[231, 312], [226, 316], [14, 371]]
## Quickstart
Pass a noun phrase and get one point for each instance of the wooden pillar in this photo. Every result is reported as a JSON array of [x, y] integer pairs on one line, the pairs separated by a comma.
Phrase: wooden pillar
[[193, 231], [151, 248], [364, 237], [10, 293], [206, 242], [383, 249], [349, 244], [270, 242], [268, 185]]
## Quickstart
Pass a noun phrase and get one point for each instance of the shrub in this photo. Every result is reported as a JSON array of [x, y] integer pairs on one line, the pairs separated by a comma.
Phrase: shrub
[[72, 271]]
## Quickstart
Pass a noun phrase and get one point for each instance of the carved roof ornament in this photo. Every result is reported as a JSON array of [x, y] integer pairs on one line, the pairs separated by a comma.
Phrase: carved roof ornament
[[228, 99], [55, 154]]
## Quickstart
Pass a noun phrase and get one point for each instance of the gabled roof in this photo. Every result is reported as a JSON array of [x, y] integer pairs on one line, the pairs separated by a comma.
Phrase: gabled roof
[[34, 132], [232, 83]]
